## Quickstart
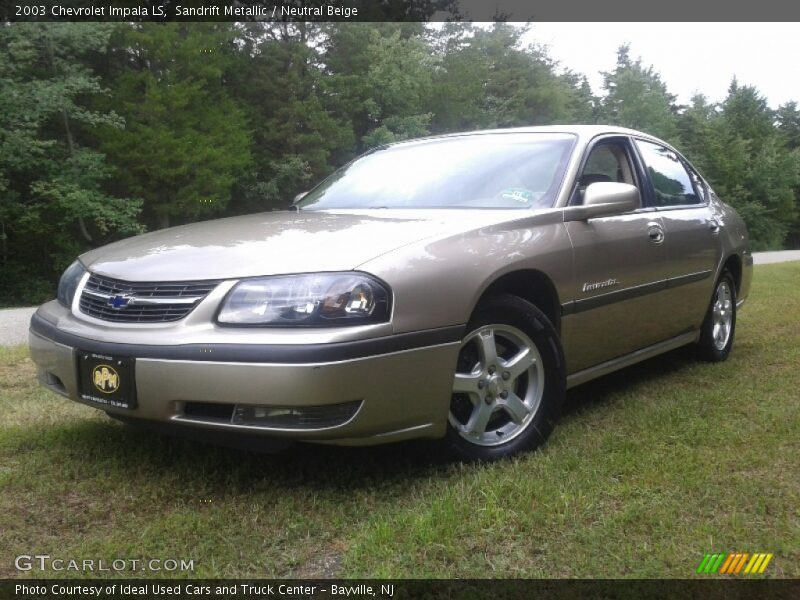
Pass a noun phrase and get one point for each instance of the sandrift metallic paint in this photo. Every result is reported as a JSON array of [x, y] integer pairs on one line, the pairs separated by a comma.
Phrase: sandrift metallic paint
[[627, 286]]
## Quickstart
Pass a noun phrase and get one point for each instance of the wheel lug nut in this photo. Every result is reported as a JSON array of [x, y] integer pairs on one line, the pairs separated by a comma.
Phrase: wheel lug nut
[[481, 384], [504, 395], [491, 370], [506, 375], [488, 399]]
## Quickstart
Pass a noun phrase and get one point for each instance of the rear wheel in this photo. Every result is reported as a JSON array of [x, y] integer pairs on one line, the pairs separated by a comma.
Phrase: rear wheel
[[509, 382], [716, 335]]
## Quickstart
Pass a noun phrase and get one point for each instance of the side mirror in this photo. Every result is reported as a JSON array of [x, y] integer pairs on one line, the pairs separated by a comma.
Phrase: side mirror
[[603, 199], [299, 197]]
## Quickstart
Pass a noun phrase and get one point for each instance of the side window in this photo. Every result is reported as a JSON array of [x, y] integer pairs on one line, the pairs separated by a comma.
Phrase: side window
[[671, 182], [699, 185], [602, 165], [608, 161]]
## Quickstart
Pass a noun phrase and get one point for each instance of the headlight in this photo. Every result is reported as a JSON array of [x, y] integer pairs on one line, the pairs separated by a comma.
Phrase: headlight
[[314, 300], [68, 283]]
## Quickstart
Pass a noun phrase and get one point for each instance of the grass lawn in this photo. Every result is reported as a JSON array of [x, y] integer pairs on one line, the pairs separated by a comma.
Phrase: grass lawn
[[649, 469]]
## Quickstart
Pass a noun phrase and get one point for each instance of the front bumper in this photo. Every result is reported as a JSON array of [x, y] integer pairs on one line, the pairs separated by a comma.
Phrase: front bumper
[[401, 384]]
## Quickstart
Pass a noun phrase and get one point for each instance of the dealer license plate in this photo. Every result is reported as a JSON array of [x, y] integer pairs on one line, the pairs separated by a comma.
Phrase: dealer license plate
[[106, 380]]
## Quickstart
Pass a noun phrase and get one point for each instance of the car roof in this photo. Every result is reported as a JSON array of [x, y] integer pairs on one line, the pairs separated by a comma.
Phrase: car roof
[[585, 132]]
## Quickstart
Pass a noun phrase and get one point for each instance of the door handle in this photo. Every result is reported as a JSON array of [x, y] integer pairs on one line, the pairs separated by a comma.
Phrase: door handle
[[713, 226], [655, 233]]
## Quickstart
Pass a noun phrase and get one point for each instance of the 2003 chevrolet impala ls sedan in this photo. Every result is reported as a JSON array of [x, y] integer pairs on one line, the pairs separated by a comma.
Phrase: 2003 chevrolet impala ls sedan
[[451, 287]]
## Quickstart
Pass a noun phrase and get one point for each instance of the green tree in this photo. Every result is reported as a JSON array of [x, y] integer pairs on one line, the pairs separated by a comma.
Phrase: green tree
[[205, 119], [697, 126], [53, 184], [747, 160], [637, 98], [788, 121], [584, 104], [279, 81], [759, 174], [377, 81], [187, 140], [489, 78], [400, 82], [746, 114]]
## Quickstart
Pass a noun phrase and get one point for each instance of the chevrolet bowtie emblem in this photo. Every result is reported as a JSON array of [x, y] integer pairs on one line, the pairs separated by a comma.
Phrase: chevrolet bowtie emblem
[[117, 302]]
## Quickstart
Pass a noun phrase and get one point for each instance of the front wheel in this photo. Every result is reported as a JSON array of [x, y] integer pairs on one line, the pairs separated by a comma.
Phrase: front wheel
[[716, 333], [509, 382]]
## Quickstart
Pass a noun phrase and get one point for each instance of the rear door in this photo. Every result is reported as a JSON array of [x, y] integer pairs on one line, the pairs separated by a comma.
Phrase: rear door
[[691, 235], [620, 264]]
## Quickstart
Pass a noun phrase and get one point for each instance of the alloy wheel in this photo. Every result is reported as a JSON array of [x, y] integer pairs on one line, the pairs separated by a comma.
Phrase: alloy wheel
[[722, 315], [498, 385]]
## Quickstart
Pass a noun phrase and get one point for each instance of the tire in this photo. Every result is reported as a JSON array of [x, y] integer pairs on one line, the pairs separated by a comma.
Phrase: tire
[[719, 325], [508, 400]]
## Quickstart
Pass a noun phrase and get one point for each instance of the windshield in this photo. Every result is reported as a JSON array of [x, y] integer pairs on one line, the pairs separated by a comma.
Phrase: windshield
[[503, 170]]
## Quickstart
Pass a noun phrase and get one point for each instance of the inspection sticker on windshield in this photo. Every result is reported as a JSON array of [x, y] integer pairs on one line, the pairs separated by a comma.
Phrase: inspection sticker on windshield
[[517, 194]]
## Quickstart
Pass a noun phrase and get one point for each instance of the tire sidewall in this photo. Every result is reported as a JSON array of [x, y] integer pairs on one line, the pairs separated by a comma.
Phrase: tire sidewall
[[511, 310]]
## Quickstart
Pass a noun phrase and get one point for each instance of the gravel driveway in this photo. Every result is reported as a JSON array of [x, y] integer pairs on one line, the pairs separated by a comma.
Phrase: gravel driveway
[[14, 321], [766, 258], [14, 325]]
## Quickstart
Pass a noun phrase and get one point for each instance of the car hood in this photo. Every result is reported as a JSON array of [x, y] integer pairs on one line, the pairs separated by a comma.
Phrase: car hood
[[277, 243]]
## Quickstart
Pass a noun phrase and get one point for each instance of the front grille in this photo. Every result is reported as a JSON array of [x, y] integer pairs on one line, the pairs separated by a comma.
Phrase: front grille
[[134, 302]]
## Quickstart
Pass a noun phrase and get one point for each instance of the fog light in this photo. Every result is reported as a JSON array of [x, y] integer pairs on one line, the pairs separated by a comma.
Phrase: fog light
[[295, 417]]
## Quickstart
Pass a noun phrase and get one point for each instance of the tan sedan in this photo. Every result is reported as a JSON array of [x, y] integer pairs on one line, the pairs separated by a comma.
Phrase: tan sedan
[[451, 287]]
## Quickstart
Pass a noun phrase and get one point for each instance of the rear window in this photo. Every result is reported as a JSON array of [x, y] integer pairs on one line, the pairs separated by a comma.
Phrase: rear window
[[671, 182]]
